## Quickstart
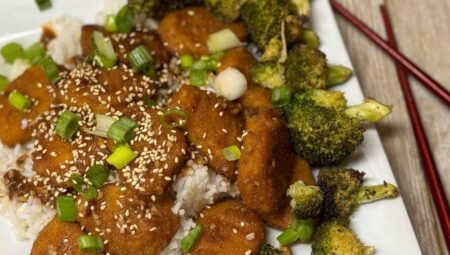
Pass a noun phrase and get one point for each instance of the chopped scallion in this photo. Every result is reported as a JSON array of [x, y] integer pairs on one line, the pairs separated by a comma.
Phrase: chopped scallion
[[288, 237], [35, 53], [105, 49], [125, 20], [110, 23], [173, 118], [103, 123], [198, 77], [50, 69], [43, 4], [19, 101], [3, 82], [223, 40], [89, 193], [66, 209], [186, 61], [140, 59], [104, 62], [86, 190], [121, 157], [122, 130], [189, 241], [232, 153], [281, 96], [91, 243], [148, 102], [11, 51], [77, 182], [67, 124], [97, 175], [151, 72]]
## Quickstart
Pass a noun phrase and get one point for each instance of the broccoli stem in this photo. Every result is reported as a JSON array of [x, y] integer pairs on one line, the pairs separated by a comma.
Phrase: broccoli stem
[[370, 111], [337, 74], [369, 194]]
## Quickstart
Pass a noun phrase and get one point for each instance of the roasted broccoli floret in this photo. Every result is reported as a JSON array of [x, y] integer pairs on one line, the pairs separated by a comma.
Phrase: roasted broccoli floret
[[310, 38], [306, 68], [227, 10], [302, 8], [268, 74], [337, 74], [343, 193], [332, 238], [159, 8], [323, 130], [268, 249], [306, 201], [293, 29], [272, 50]]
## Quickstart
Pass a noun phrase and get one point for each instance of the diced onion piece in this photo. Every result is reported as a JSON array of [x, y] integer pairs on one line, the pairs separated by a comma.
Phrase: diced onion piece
[[121, 157], [189, 241], [232, 153], [104, 46], [11, 51], [125, 20], [91, 243], [178, 118], [223, 40], [281, 96], [97, 175], [288, 237], [19, 101], [50, 69], [231, 84], [122, 130], [110, 23], [35, 53], [66, 209], [67, 124], [140, 59], [3, 82], [43, 4]]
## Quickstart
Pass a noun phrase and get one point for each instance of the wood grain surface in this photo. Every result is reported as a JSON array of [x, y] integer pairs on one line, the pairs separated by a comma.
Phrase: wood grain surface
[[422, 29]]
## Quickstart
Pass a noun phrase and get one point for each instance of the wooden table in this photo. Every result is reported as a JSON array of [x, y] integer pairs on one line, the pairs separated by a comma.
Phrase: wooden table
[[423, 33]]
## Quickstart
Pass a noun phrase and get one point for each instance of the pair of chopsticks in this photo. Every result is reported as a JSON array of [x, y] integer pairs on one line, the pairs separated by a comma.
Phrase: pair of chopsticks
[[403, 66]]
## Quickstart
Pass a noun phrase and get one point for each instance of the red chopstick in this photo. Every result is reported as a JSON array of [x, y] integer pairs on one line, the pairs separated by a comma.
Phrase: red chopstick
[[429, 166], [426, 80]]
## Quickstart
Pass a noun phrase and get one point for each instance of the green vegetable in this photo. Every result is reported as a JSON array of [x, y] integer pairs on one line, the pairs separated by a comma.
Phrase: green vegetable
[[310, 38], [43, 4], [125, 20], [110, 23], [86, 190], [67, 124], [189, 241], [173, 118], [272, 51], [121, 157], [19, 101], [227, 10], [122, 130], [288, 237], [232, 153], [159, 8], [281, 96], [306, 201], [97, 175], [141, 59], [223, 40], [293, 29], [198, 77], [186, 61], [90, 243], [12, 51], [370, 111], [337, 74], [301, 8], [66, 209], [148, 102], [35, 53], [104, 50], [304, 228], [3, 82], [268, 249], [269, 74], [50, 69]]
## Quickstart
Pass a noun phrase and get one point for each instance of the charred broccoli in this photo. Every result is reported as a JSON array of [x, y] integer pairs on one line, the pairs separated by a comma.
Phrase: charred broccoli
[[323, 130], [159, 8], [268, 249], [227, 10], [306, 201], [269, 74], [332, 238], [302, 8], [337, 74], [310, 38], [343, 193]]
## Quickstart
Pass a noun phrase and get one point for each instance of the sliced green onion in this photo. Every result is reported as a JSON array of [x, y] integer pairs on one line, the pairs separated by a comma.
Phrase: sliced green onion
[[218, 55], [305, 228], [90, 193], [199, 65], [148, 102], [281, 96], [3, 82], [104, 61], [110, 23], [103, 123], [310, 38], [232, 153], [50, 69], [125, 20], [206, 63], [198, 77], [122, 130], [67, 124], [77, 182], [186, 61], [91, 243], [43, 4], [107, 56], [140, 59], [11, 51], [223, 40], [121, 157], [97, 175], [87, 191], [35, 53], [151, 72], [288, 237], [19, 101], [171, 114], [369, 110], [66, 209], [189, 241]]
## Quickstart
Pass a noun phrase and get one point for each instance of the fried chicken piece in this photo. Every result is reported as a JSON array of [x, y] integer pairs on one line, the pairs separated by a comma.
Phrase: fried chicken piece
[[229, 229], [16, 126], [266, 162], [161, 153], [256, 96], [186, 31], [123, 44], [59, 237], [212, 125], [103, 90], [128, 224]]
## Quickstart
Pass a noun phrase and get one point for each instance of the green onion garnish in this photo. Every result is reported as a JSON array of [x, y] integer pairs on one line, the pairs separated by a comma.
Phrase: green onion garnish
[[67, 124], [3, 82], [105, 50], [110, 23], [151, 72], [305, 229], [171, 114], [125, 20], [103, 124], [19, 101], [91, 243], [43, 4], [97, 175], [121, 157], [288, 237], [77, 182], [198, 77], [35, 53], [122, 130], [223, 40], [281, 96], [148, 102], [50, 69], [66, 209], [232, 153], [90, 193], [186, 61], [104, 62], [11, 51], [86, 190], [140, 59], [189, 241]]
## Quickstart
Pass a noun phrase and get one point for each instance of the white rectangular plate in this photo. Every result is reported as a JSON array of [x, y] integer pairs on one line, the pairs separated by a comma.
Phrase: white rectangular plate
[[385, 225]]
